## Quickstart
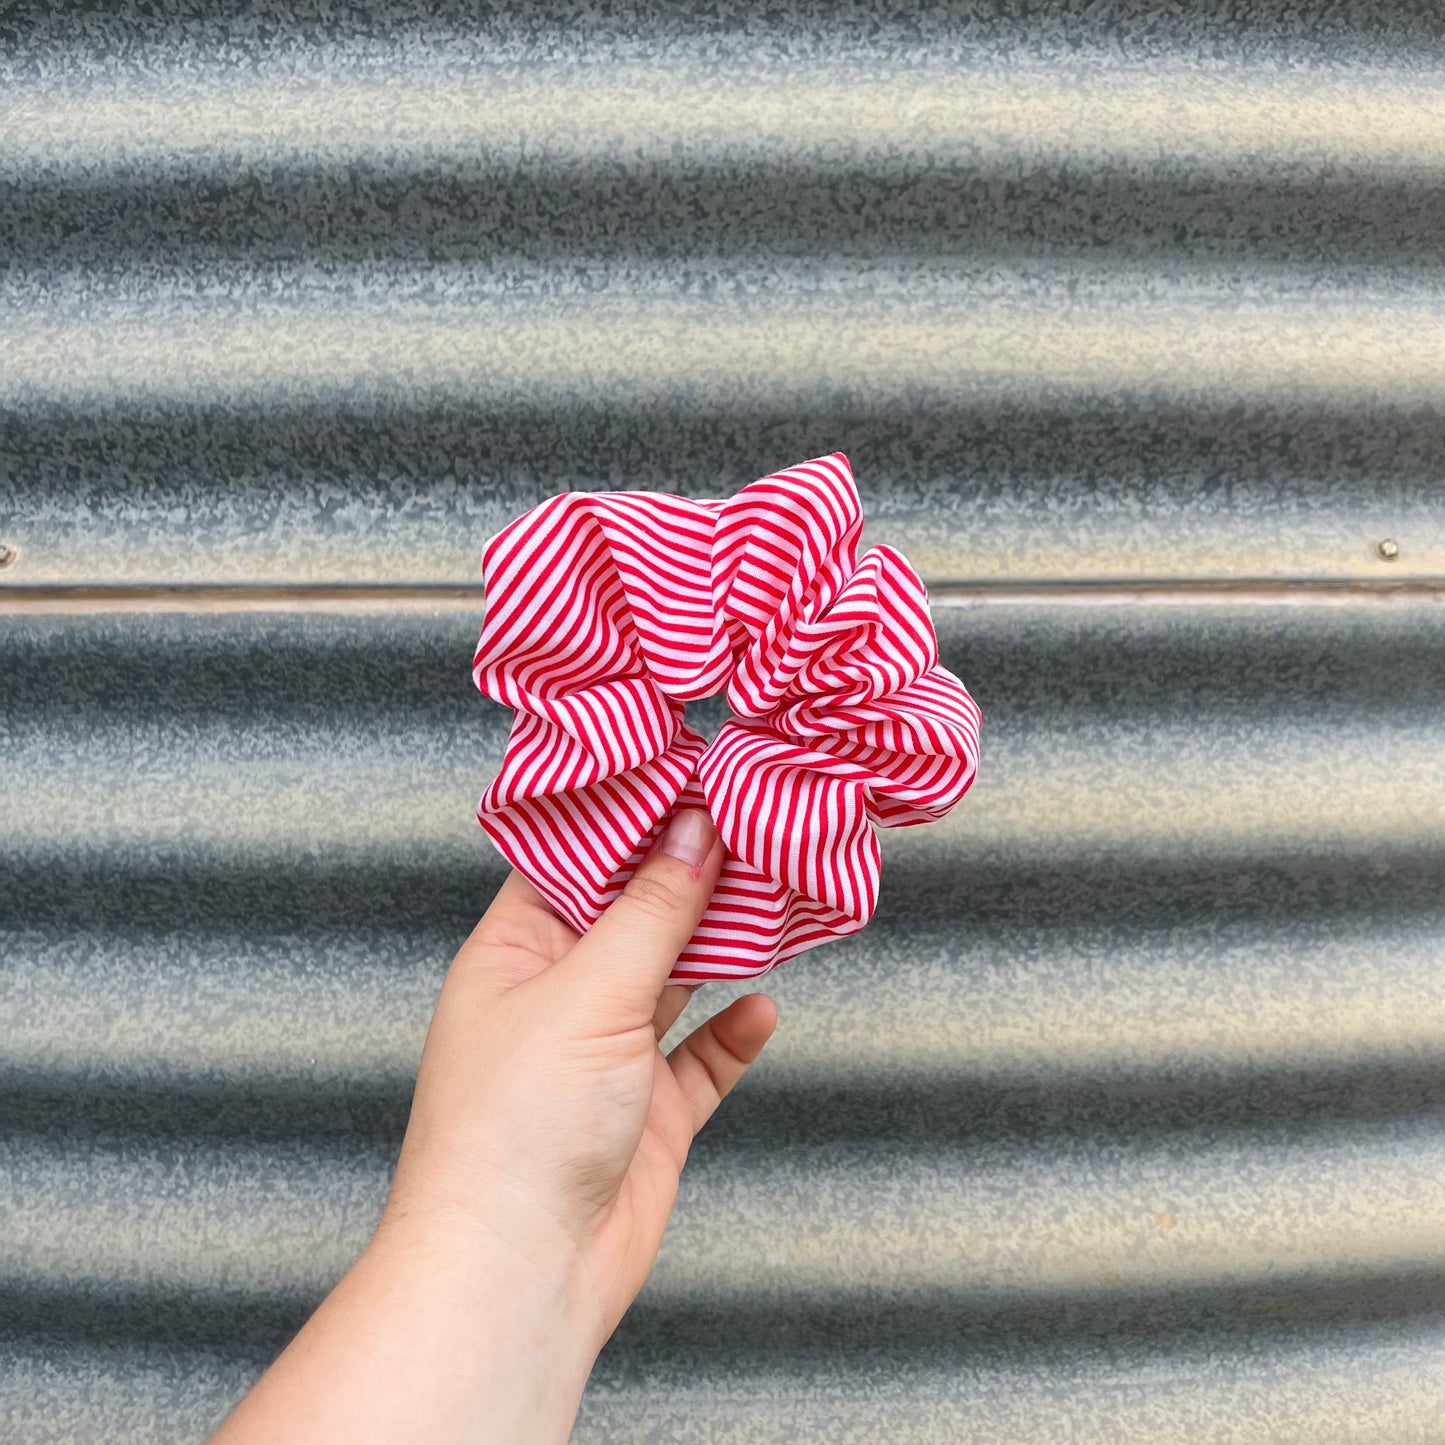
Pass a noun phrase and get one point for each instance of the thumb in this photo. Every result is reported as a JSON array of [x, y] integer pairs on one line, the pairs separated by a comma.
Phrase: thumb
[[622, 962]]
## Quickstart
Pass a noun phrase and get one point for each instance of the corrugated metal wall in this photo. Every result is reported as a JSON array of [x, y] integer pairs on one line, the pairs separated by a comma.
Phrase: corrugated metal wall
[[1123, 1121]]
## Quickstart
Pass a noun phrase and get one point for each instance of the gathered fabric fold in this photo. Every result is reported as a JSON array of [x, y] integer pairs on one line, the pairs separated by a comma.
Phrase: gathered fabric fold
[[607, 612]]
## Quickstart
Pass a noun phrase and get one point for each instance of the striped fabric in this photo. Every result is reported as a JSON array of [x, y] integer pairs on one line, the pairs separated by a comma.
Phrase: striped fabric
[[607, 612]]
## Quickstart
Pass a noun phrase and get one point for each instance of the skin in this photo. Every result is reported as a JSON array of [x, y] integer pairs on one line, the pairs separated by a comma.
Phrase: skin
[[539, 1169]]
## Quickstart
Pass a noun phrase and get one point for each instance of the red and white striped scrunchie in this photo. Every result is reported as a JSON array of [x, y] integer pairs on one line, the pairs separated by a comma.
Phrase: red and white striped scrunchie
[[606, 612]]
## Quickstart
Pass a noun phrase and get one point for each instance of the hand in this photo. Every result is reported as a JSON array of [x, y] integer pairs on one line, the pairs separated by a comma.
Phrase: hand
[[544, 1107], [537, 1174]]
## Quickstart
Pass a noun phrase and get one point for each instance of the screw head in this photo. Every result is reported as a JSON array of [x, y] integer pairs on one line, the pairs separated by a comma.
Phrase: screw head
[[1388, 548], [8, 554]]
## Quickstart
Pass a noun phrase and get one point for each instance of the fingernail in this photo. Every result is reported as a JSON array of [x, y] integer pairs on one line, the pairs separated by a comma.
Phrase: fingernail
[[690, 837]]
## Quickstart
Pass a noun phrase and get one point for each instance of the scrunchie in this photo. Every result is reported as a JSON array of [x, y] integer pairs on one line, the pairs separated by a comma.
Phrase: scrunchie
[[606, 612]]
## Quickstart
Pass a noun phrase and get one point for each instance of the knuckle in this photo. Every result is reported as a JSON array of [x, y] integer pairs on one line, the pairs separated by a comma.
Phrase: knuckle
[[711, 1067], [653, 897]]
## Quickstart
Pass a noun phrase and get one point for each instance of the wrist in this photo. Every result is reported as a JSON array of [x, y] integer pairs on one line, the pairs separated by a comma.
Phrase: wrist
[[499, 1247], [514, 1309]]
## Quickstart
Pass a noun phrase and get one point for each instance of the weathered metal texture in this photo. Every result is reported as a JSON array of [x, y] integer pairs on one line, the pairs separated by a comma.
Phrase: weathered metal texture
[[1122, 1122]]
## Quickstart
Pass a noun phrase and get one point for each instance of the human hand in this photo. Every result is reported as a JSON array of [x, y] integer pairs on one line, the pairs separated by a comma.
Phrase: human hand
[[537, 1174], [544, 1109]]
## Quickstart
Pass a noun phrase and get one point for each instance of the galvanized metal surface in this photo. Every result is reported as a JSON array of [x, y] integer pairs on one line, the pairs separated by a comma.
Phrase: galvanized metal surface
[[1123, 1120]]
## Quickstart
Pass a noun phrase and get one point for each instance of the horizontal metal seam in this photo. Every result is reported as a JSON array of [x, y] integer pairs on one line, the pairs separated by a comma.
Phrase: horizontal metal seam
[[87, 601]]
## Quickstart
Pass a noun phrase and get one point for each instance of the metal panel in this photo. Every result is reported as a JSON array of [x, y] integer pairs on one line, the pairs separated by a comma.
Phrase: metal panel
[[1122, 1121]]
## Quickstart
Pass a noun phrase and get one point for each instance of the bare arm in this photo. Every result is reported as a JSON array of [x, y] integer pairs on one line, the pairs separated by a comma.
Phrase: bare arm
[[537, 1175]]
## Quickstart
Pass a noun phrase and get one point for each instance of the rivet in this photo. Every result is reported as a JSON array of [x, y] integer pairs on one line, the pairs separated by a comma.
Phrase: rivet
[[1388, 548], [8, 554]]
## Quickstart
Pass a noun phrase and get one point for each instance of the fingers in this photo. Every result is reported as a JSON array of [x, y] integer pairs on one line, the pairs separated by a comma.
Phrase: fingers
[[715, 1055], [674, 999], [621, 964]]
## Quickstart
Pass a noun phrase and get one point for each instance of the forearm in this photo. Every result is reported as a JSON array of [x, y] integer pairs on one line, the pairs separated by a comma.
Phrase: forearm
[[437, 1333]]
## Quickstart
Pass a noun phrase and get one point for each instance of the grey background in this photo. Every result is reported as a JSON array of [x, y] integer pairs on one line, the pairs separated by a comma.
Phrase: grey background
[[1122, 1120]]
